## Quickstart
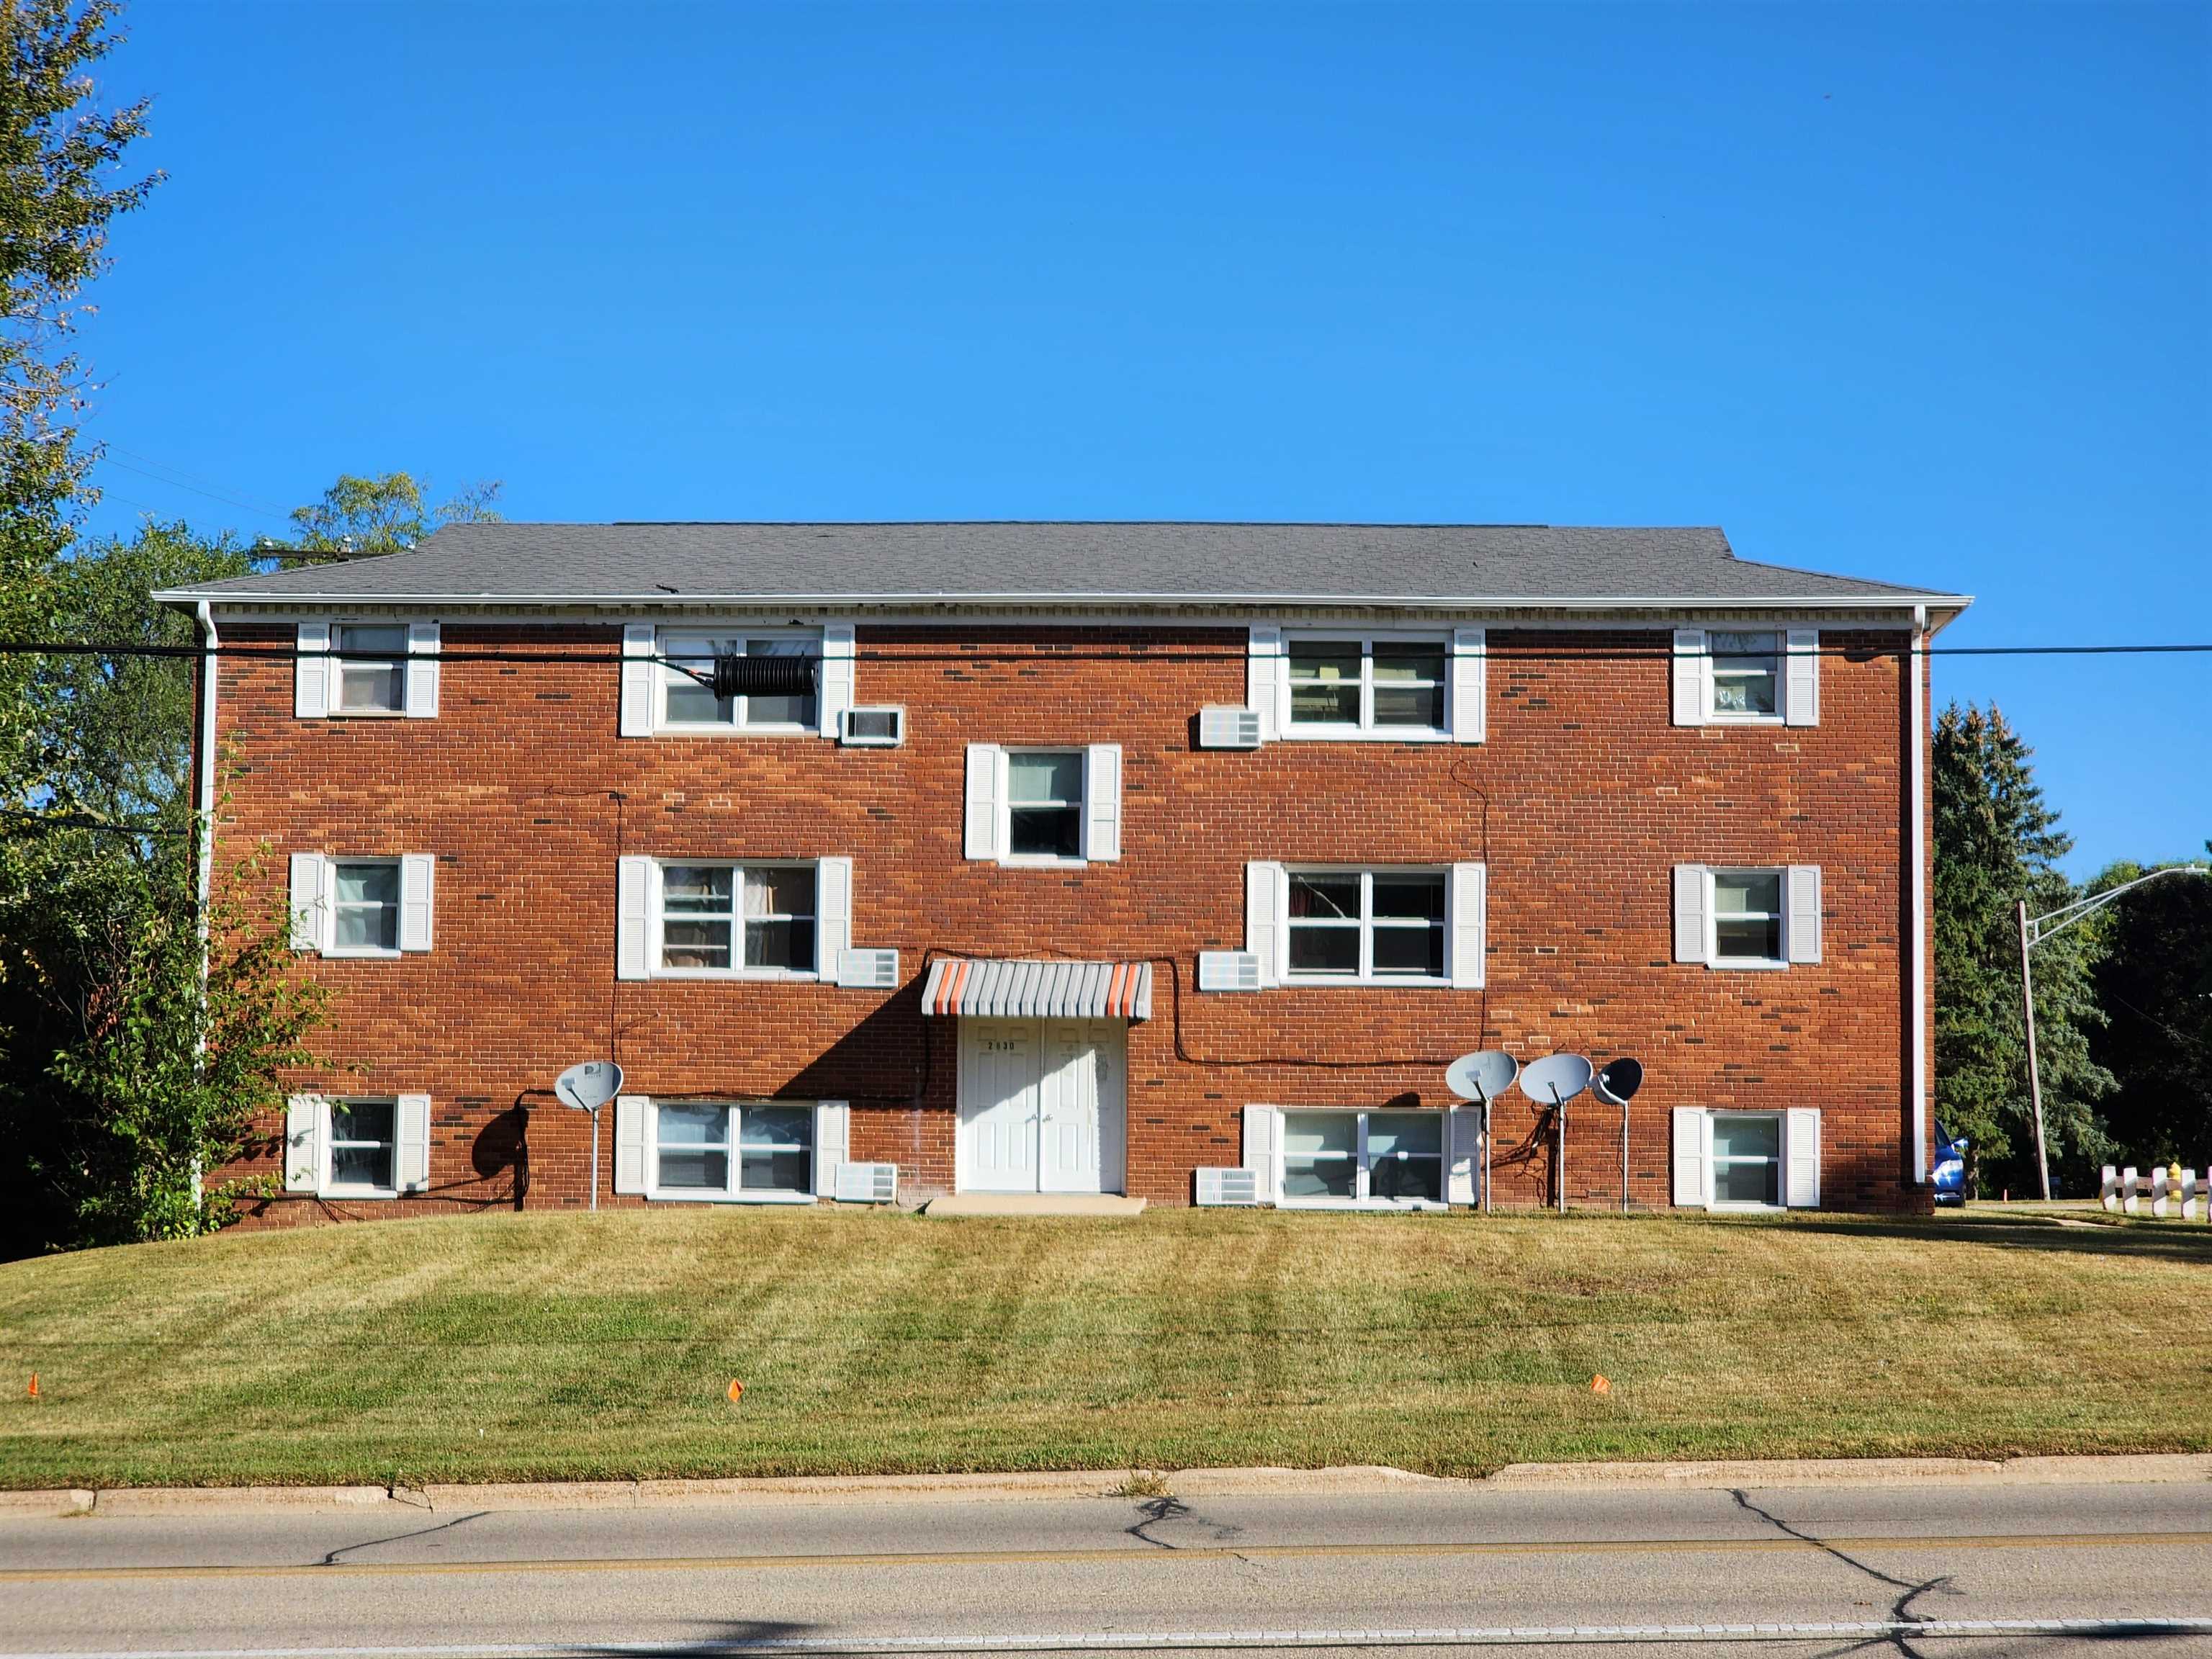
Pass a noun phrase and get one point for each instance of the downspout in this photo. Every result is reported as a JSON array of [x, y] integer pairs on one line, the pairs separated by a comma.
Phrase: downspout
[[204, 822], [1919, 845]]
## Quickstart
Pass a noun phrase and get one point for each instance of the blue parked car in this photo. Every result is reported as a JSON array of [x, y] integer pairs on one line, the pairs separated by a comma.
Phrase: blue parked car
[[1950, 1167]]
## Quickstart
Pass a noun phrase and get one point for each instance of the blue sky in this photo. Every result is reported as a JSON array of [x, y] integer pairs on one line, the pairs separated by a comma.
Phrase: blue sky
[[1916, 292]]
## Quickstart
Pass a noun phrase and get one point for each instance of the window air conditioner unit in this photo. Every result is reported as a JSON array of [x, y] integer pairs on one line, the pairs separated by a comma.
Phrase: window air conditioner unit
[[867, 1183], [1226, 726], [1226, 1186], [868, 970], [1228, 971], [883, 728]]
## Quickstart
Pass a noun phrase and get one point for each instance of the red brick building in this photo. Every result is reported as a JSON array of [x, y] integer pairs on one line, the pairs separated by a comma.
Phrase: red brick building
[[1084, 858]]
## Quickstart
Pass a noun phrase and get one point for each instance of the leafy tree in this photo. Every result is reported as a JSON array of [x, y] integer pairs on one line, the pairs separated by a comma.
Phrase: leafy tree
[[1997, 843], [360, 517], [2153, 980], [59, 152]]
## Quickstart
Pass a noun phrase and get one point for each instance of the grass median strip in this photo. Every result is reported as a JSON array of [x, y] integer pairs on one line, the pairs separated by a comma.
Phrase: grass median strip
[[602, 1346]]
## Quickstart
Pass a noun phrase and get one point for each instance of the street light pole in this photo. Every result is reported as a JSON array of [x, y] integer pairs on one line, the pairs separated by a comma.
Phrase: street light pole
[[2033, 930], [2034, 1075]]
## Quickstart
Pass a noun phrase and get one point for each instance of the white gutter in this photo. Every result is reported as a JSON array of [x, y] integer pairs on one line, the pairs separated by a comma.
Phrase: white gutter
[[203, 822], [203, 767], [1918, 601], [1918, 842]]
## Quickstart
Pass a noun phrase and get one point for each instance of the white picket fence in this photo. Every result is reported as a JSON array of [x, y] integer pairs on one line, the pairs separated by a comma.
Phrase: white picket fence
[[2164, 1191]]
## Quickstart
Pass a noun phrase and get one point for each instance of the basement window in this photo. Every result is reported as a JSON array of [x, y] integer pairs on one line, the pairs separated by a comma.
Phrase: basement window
[[716, 1149], [1747, 1160], [1382, 1159], [363, 1144]]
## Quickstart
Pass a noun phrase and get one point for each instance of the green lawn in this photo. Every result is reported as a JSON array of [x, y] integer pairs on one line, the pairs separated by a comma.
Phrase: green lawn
[[576, 1345]]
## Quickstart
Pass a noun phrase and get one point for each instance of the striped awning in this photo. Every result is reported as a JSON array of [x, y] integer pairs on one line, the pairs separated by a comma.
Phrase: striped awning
[[988, 989]]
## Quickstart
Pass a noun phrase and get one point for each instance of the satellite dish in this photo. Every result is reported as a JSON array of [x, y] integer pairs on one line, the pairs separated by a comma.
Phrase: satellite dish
[[1483, 1076], [589, 1086], [1555, 1079], [1618, 1080]]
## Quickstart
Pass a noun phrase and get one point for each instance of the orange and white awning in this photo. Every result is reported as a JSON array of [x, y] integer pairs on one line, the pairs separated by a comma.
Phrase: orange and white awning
[[984, 989]]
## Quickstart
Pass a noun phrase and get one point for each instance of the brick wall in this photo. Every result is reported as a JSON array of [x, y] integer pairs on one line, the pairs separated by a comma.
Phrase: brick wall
[[1580, 802]]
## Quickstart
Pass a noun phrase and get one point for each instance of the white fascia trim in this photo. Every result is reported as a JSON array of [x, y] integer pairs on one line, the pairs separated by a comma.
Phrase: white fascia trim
[[940, 601]]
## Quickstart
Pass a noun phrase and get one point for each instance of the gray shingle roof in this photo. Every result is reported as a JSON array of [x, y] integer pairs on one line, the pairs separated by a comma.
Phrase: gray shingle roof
[[1135, 562]]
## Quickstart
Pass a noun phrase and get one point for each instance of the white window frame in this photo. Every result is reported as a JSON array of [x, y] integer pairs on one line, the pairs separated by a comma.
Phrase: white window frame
[[1367, 976], [735, 1192], [1362, 1162], [1780, 1122], [667, 642], [325, 1183], [1746, 964], [1080, 805], [656, 917], [1715, 714], [372, 952], [1366, 730], [338, 659]]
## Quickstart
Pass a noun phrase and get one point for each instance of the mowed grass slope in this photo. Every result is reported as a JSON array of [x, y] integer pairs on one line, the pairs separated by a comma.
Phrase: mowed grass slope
[[580, 1345]]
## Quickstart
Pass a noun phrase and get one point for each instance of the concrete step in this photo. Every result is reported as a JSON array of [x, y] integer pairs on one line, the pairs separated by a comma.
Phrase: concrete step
[[958, 1204]]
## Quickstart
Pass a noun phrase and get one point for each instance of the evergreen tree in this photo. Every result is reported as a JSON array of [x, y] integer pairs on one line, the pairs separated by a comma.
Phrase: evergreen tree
[[1997, 843], [2153, 980]]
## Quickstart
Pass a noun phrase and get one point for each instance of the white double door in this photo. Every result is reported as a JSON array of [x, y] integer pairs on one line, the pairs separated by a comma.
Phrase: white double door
[[1042, 1105]]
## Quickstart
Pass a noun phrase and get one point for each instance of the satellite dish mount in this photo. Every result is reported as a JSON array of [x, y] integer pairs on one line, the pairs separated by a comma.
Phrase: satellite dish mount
[[587, 1087], [1481, 1077]]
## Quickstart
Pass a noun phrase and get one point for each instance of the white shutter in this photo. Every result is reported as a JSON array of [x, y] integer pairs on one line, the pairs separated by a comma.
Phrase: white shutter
[[1691, 1187], [417, 876], [639, 680], [311, 672], [1801, 1158], [1267, 686], [986, 772], [833, 913], [632, 918], [1693, 901], [1267, 901], [1470, 924], [1803, 904], [633, 1140], [837, 645], [1801, 683], [1102, 802], [1470, 657], [413, 1171], [1462, 1152], [422, 671], [833, 1144], [1263, 1149], [1692, 677], [303, 1143], [310, 910]]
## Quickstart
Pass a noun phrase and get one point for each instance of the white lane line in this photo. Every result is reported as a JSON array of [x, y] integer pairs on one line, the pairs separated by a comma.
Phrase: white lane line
[[1125, 1641]]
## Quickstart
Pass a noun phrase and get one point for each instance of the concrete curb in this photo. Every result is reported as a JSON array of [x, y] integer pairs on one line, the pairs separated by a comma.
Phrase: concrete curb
[[1375, 1479]]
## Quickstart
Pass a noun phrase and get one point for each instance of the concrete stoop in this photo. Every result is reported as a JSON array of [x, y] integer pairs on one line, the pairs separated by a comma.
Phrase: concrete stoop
[[2129, 1469], [958, 1204]]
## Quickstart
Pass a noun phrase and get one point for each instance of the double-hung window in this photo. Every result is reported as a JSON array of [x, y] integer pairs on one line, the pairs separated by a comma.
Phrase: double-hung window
[[1747, 1159], [1747, 913], [1044, 804], [372, 669], [717, 1149], [1367, 925], [363, 1144], [1350, 686], [364, 907], [1746, 675], [1385, 1157], [737, 918], [687, 703]]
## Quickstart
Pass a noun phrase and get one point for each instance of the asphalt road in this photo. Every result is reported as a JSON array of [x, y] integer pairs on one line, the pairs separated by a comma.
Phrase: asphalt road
[[1439, 1571]]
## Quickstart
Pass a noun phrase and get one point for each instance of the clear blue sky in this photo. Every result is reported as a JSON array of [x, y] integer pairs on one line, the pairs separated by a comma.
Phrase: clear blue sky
[[1916, 292]]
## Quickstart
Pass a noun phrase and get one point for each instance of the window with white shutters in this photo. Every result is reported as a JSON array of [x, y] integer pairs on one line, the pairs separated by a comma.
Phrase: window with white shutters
[[1048, 806]]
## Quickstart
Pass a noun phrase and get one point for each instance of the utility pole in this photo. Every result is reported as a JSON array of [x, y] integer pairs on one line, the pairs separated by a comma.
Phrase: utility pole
[[2033, 930]]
